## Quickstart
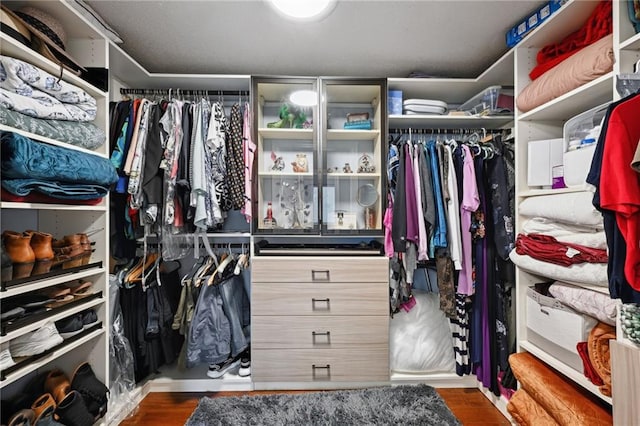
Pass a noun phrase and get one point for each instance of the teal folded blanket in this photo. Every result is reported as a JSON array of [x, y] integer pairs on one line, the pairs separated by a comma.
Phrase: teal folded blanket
[[24, 158]]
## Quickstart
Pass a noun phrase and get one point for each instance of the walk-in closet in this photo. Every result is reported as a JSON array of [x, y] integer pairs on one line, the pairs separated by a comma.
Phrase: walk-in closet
[[306, 221]]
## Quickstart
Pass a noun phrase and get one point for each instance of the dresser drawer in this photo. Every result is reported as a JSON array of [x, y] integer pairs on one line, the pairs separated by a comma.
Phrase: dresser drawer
[[320, 365], [319, 299], [308, 332], [320, 269]]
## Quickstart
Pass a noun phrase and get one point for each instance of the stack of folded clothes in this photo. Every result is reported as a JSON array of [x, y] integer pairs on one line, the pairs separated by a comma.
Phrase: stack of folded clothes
[[424, 106], [35, 101], [59, 173]]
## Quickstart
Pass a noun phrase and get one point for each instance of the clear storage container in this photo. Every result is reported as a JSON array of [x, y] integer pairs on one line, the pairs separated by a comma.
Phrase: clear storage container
[[491, 101]]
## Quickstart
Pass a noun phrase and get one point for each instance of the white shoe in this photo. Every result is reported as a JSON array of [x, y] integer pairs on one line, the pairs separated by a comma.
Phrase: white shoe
[[44, 338], [6, 360]]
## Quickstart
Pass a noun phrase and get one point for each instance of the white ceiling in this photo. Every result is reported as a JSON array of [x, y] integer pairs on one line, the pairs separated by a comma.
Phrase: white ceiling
[[359, 38]]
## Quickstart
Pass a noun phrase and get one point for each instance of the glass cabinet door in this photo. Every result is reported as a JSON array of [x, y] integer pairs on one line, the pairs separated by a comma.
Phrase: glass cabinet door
[[286, 187], [353, 178]]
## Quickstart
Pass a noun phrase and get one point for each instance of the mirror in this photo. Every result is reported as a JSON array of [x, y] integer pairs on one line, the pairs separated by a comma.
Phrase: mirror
[[367, 198]]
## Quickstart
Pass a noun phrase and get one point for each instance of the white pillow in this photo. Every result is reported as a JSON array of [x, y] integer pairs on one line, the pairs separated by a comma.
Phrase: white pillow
[[574, 208], [420, 340]]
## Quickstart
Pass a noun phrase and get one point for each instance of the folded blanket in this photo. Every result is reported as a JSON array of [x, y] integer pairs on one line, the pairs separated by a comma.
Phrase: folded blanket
[[584, 273], [60, 190], [589, 302], [574, 208], [598, 25], [558, 396], [598, 348], [589, 372], [527, 412], [23, 158], [587, 236], [32, 91], [586, 65], [78, 133]]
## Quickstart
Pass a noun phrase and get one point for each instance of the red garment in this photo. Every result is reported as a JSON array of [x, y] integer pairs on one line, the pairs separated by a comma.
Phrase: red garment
[[620, 184], [547, 249], [36, 197], [589, 372], [598, 25]]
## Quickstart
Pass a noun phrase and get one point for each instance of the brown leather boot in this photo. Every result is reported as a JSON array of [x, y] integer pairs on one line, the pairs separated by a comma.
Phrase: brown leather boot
[[41, 245], [86, 247], [68, 251], [18, 247]]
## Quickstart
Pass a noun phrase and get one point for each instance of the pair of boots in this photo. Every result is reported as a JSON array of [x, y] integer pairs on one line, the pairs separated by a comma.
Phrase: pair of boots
[[33, 253], [30, 253]]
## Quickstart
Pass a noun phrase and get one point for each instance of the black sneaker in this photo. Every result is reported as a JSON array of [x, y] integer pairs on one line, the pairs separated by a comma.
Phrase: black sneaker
[[89, 318], [245, 363], [218, 370], [70, 326], [93, 391], [73, 411]]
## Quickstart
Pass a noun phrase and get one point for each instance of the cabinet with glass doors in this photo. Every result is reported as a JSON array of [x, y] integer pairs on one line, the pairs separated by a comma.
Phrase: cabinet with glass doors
[[320, 156]]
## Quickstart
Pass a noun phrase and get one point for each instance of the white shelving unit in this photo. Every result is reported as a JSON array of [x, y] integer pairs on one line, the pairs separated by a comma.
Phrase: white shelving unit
[[454, 91], [546, 122], [87, 45]]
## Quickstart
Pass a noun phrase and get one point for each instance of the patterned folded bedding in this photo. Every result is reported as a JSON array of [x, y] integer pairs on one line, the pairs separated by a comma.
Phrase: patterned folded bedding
[[589, 302], [77, 133], [32, 91]]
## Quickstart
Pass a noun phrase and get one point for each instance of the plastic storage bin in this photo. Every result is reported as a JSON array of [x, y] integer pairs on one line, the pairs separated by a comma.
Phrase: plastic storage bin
[[556, 328], [491, 101], [580, 135]]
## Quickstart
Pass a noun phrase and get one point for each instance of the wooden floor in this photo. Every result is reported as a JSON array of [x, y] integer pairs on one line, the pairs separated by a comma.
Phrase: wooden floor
[[168, 409]]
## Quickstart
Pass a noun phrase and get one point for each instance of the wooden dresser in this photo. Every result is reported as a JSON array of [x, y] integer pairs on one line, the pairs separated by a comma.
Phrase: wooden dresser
[[319, 320]]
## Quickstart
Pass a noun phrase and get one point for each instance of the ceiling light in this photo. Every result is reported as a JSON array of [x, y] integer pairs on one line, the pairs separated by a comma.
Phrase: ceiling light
[[304, 9], [305, 98]]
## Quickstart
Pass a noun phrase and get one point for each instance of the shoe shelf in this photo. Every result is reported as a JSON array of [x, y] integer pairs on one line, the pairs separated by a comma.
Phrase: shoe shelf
[[12, 329], [59, 276], [561, 367], [33, 363], [632, 43]]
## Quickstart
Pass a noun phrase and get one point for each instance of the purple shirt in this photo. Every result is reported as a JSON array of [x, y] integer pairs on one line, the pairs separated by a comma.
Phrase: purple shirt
[[412, 206], [470, 203]]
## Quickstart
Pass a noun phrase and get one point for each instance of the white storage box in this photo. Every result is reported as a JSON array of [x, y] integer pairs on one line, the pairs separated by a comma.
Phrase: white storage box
[[556, 328], [580, 135], [543, 156]]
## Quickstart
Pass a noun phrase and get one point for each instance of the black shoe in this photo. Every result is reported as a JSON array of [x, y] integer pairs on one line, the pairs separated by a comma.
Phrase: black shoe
[[245, 363], [70, 326], [218, 370], [93, 391], [73, 412], [89, 318]]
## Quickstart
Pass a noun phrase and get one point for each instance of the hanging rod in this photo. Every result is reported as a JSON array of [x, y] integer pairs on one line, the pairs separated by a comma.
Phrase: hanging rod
[[183, 92]]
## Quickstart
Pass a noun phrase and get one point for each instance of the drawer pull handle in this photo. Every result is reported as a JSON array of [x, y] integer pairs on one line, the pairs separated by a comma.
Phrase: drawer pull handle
[[327, 368], [315, 334], [320, 278], [314, 301]]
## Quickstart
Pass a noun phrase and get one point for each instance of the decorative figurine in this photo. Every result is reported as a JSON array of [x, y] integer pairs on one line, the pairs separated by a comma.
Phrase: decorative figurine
[[365, 165], [300, 165], [278, 162], [347, 168]]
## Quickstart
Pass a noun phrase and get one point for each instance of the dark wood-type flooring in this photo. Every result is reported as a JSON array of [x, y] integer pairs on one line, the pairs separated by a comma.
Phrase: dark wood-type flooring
[[170, 408]]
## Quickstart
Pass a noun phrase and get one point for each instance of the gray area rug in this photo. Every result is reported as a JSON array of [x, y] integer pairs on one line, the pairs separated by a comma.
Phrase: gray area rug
[[399, 405]]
